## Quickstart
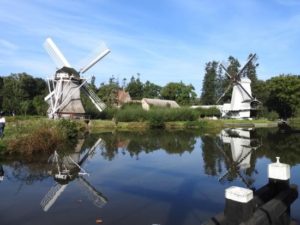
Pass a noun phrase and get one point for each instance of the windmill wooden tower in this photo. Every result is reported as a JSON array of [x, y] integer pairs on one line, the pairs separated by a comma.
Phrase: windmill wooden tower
[[242, 100], [66, 84]]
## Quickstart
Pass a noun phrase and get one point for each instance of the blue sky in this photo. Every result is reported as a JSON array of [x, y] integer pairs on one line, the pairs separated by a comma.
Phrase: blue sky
[[163, 40]]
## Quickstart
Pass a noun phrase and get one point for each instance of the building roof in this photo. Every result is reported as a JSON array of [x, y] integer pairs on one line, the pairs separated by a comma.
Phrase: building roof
[[161, 102]]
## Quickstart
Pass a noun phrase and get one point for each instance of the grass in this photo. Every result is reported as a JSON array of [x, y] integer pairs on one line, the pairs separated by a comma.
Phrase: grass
[[38, 135], [294, 123], [30, 135]]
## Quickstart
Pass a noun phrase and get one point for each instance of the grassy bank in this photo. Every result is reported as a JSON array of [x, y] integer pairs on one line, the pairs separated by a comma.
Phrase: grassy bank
[[206, 125], [33, 135]]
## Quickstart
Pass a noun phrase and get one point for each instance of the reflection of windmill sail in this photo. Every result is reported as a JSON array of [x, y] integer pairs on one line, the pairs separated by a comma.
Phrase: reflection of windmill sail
[[241, 149], [70, 165], [240, 146], [52, 196], [97, 197]]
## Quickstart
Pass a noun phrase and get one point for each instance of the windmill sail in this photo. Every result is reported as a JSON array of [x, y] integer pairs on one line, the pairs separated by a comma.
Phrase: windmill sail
[[100, 105], [55, 53], [97, 59], [51, 197]]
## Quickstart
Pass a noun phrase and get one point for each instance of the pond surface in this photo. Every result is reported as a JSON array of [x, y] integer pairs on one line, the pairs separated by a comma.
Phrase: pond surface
[[155, 177]]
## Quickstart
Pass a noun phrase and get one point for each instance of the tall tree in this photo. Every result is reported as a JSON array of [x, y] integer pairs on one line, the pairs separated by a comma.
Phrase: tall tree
[[18, 93], [151, 90], [135, 87], [1, 91], [209, 90], [250, 72], [233, 69], [284, 94], [108, 92]]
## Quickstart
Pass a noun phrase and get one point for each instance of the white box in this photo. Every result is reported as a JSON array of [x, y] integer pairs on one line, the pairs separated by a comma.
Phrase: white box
[[279, 171], [239, 194]]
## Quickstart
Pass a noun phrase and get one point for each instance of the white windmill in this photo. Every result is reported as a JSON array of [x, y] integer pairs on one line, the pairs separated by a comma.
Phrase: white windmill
[[66, 84], [242, 101]]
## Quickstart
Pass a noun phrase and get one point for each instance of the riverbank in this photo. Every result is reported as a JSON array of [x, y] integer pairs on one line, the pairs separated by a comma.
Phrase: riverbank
[[206, 125], [31, 135]]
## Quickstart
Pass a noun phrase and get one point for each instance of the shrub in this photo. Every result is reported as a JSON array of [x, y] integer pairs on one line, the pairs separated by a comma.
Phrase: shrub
[[42, 137], [208, 112], [272, 116], [68, 128], [156, 120], [108, 113], [131, 114], [135, 105], [174, 114]]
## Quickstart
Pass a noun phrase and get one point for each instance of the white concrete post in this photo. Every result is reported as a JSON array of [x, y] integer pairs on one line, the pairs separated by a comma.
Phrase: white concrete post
[[239, 205]]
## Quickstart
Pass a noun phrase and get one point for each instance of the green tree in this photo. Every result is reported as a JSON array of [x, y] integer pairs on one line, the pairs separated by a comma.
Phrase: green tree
[[1, 91], [208, 95], [135, 87], [39, 104], [179, 92], [250, 72], [108, 92], [284, 95], [224, 82], [151, 90], [19, 90]]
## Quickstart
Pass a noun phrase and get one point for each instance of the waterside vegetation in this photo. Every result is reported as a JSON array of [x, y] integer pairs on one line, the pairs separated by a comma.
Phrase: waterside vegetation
[[35, 135]]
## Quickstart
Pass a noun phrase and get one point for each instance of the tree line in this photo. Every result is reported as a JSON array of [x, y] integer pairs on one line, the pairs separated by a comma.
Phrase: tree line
[[279, 95], [24, 94]]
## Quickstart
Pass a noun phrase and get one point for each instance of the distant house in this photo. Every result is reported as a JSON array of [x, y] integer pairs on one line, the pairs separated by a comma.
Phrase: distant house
[[148, 102], [123, 97]]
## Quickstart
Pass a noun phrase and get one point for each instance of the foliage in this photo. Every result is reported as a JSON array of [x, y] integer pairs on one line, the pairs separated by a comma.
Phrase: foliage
[[209, 92], [272, 116], [179, 92], [30, 136], [284, 96], [151, 90], [108, 92], [68, 128], [18, 92], [208, 112], [156, 120], [135, 87], [250, 70], [130, 114], [108, 114]]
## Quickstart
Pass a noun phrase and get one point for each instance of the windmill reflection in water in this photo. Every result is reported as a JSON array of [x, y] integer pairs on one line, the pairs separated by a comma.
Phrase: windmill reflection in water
[[67, 169], [241, 146]]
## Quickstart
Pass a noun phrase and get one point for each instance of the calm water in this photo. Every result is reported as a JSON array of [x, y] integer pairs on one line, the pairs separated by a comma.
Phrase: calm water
[[155, 177]]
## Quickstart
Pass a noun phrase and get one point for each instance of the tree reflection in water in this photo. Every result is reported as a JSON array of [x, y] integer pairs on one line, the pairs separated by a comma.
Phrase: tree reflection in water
[[134, 143], [233, 153], [218, 158]]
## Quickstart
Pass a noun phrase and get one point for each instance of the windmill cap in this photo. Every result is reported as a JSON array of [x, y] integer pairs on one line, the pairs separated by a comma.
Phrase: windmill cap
[[245, 80]]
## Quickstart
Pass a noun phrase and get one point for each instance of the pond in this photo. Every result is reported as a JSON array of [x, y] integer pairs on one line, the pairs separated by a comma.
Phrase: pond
[[153, 177]]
